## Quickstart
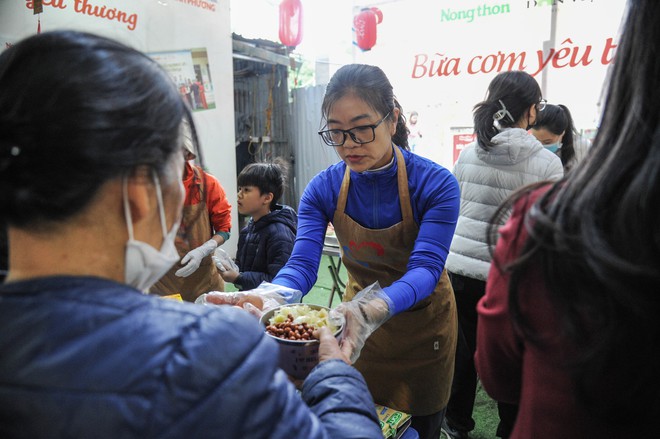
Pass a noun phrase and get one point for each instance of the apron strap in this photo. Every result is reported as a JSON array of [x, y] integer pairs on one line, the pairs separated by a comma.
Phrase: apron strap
[[343, 192], [402, 183], [199, 184], [404, 194]]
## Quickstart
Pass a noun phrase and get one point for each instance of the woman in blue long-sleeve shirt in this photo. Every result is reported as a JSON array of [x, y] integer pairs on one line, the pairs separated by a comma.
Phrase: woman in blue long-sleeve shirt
[[394, 214], [373, 202]]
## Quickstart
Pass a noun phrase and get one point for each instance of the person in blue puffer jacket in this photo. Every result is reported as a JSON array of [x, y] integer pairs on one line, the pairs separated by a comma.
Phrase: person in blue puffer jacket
[[90, 187], [265, 243]]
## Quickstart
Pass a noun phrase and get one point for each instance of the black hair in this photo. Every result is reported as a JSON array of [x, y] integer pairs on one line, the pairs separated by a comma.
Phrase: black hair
[[370, 84], [557, 119], [513, 91], [595, 236], [268, 177], [77, 110]]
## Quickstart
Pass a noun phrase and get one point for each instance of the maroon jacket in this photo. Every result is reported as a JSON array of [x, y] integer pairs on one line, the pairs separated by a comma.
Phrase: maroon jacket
[[515, 370]]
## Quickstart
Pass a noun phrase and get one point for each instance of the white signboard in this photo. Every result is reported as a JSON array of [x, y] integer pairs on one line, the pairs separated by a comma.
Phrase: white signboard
[[440, 56], [190, 38]]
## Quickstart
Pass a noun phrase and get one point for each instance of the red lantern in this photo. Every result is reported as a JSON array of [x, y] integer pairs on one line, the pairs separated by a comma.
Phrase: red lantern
[[290, 22], [364, 25]]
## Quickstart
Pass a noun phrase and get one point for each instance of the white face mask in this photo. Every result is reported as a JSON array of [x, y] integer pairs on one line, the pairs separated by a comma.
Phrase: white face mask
[[144, 264]]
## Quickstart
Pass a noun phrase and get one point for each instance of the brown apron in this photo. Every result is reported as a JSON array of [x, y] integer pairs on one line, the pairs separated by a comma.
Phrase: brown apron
[[196, 222], [408, 362]]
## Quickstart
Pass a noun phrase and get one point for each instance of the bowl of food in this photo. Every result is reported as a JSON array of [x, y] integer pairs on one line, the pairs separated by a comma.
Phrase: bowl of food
[[292, 326]]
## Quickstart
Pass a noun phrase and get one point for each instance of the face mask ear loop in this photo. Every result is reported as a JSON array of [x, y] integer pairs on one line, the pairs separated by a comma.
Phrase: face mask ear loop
[[127, 211], [161, 209]]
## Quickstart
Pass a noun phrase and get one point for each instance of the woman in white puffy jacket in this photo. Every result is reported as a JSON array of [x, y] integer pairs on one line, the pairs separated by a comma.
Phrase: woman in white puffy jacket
[[503, 158]]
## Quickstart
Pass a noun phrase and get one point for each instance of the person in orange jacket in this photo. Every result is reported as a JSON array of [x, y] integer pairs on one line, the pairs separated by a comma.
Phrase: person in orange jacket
[[206, 223]]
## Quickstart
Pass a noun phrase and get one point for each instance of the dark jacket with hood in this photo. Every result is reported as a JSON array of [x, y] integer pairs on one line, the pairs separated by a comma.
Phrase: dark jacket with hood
[[264, 247]]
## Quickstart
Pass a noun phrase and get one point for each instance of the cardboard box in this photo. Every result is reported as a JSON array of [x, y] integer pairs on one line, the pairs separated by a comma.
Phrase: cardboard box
[[393, 422]]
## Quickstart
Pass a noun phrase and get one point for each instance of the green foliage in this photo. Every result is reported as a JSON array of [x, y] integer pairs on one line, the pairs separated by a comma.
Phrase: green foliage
[[302, 75]]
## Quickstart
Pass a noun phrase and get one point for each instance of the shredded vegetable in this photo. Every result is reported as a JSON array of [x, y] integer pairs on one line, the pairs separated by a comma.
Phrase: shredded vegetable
[[315, 318]]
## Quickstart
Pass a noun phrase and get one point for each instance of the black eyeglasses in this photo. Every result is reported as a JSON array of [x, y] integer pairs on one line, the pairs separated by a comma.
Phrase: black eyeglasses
[[540, 106], [362, 134]]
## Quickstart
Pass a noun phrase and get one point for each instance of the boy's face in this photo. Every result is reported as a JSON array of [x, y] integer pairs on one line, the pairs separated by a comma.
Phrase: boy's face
[[251, 202]]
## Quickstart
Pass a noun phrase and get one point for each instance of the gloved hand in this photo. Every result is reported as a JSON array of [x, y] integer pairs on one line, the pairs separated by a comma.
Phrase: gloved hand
[[256, 301], [194, 258], [251, 303], [229, 271], [365, 313]]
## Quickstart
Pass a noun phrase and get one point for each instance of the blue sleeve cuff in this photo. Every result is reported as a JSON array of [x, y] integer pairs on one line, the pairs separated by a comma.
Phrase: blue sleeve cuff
[[225, 235]]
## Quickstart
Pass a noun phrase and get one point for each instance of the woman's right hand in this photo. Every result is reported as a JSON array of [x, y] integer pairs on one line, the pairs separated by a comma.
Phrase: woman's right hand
[[329, 346], [252, 303], [328, 350], [237, 299]]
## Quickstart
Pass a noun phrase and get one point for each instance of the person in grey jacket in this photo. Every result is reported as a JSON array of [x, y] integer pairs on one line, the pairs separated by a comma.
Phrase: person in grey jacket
[[504, 158], [91, 165]]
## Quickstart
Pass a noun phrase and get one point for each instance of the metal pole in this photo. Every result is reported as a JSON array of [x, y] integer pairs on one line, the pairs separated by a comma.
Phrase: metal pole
[[547, 45]]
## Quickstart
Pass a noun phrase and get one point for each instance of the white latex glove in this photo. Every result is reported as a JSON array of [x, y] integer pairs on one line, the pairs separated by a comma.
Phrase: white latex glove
[[223, 262], [256, 301], [194, 257], [365, 313]]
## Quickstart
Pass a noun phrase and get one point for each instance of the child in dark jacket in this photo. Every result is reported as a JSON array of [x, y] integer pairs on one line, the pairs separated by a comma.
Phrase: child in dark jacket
[[265, 244]]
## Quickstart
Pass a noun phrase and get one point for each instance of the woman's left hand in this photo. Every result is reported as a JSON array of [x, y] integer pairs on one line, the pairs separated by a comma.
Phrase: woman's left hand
[[365, 313]]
